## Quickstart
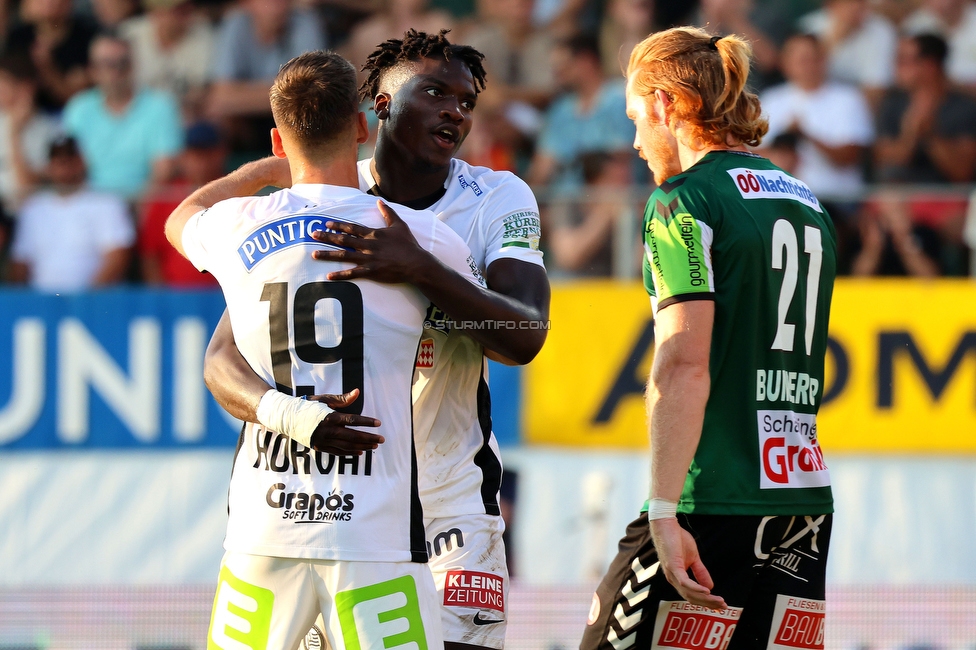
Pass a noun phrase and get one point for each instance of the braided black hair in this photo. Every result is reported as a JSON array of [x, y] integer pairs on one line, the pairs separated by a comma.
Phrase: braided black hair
[[415, 46]]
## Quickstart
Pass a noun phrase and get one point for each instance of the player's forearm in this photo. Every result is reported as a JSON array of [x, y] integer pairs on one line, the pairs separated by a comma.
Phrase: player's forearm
[[509, 318], [676, 400], [234, 385], [246, 180]]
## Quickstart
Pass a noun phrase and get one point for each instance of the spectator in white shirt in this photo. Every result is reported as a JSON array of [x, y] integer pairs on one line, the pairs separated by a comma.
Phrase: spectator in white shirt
[[955, 21], [70, 238], [832, 120], [860, 44]]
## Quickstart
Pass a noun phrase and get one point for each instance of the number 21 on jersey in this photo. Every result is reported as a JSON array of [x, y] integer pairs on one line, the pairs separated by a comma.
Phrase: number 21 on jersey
[[786, 259]]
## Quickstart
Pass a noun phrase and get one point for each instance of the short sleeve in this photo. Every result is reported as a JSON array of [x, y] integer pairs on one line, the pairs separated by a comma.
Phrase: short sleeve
[[71, 117], [450, 249], [113, 228], [511, 221], [167, 131], [678, 253], [22, 247], [194, 239]]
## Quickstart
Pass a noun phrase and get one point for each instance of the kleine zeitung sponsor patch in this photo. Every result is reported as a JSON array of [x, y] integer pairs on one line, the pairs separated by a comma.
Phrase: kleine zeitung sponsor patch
[[474, 589], [789, 454]]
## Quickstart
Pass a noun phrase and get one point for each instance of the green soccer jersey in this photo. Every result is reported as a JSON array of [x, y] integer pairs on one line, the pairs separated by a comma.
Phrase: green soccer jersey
[[737, 230]]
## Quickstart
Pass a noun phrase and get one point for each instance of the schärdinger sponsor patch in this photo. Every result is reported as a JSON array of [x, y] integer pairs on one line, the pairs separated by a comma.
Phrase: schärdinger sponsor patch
[[474, 589], [772, 184], [797, 623], [790, 456], [680, 624]]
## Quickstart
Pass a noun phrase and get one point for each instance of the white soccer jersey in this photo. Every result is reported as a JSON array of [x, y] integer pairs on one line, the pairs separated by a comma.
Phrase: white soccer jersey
[[310, 336], [497, 216]]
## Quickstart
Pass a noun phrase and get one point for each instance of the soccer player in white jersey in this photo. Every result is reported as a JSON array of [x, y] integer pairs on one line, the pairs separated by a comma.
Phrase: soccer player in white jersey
[[312, 533], [424, 91]]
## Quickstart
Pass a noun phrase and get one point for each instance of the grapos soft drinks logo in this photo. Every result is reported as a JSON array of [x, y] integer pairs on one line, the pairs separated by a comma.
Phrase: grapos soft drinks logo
[[383, 615]]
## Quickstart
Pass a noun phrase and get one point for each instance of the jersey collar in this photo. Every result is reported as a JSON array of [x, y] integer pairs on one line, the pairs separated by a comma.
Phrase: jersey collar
[[320, 192]]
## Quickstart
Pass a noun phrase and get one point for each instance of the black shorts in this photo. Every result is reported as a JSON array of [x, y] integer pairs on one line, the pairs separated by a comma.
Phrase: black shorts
[[769, 570]]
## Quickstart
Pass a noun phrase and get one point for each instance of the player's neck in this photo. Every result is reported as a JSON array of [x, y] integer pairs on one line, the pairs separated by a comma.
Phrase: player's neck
[[339, 171], [688, 157], [404, 183]]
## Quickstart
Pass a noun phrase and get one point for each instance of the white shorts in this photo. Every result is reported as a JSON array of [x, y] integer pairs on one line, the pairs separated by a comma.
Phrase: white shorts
[[269, 603], [467, 561]]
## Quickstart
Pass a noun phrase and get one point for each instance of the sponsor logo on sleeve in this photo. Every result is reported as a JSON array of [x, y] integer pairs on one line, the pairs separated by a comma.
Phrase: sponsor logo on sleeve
[[521, 230], [474, 589], [797, 623], [772, 184], [790, 456], [425, 355], [278, 235], [471, 185], [680, 624]]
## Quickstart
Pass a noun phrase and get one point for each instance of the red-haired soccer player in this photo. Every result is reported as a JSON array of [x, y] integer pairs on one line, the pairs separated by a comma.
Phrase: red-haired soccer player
[[740, 263]]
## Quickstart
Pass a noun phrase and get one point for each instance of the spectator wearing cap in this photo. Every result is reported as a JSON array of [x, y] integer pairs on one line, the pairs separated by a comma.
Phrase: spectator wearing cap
[[128, 136], [831, 120], [172, 46], [25, 132], [70, 238], [203, 159]]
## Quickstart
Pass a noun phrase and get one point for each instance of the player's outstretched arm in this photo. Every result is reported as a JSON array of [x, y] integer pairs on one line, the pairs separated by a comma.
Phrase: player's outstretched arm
[[238, 389], [246, 180], [676, 397], [518, 291]]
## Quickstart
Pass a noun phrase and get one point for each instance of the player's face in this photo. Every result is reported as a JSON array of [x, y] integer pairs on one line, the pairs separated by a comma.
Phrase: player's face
[[654, 141], [430, 114]]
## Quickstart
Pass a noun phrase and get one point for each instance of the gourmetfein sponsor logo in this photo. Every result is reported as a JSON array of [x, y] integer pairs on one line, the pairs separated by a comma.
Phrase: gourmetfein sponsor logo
[[313, 508], [474, 589], [790, 456], [797, 623], [682, 625], [772, 184]]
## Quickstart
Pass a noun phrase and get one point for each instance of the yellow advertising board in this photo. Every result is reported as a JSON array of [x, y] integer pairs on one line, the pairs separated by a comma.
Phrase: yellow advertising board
[[901, 367]]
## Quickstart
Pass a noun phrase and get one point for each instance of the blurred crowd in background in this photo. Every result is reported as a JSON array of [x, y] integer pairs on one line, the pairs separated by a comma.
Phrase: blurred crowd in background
[[112, 111]]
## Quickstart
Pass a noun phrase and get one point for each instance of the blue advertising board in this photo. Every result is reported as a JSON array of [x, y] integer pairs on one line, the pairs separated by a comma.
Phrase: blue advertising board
[[123, 369]]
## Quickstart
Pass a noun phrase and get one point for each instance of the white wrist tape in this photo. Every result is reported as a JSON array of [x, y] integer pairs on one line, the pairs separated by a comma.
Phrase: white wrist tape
[[292, 416], [661, 509]]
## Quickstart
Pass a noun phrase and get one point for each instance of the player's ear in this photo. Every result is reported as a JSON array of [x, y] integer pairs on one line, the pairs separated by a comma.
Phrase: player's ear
[[362, 128], [381, 105], [662, 106], [277, 147]]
